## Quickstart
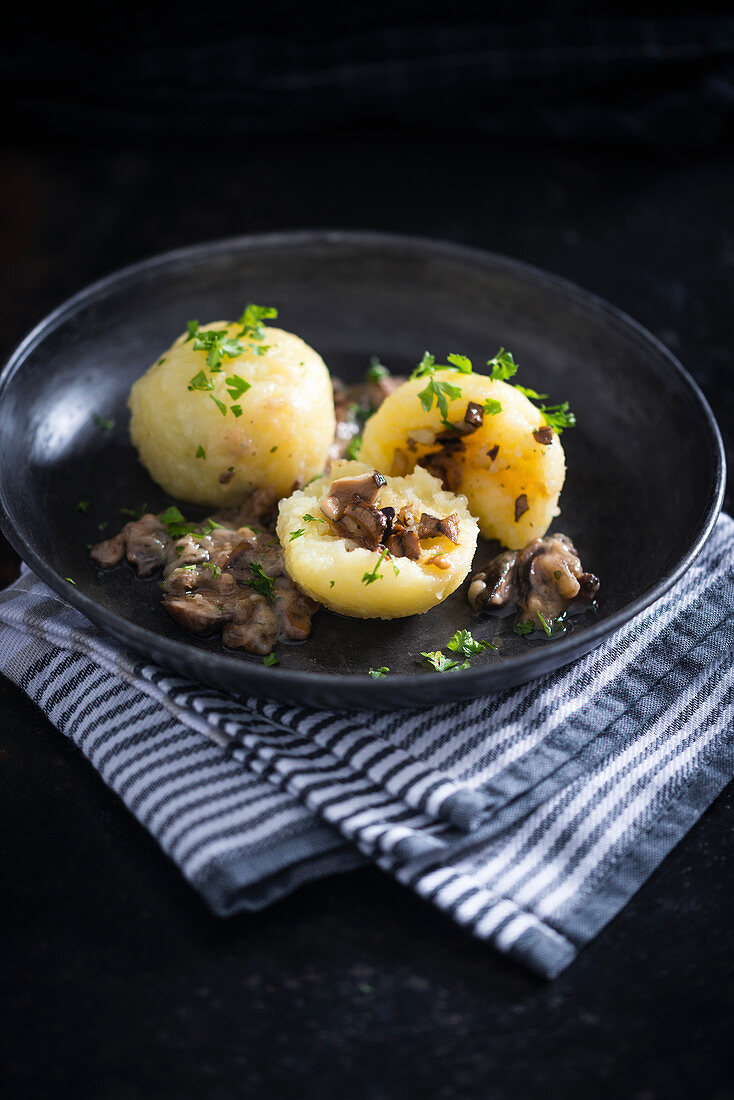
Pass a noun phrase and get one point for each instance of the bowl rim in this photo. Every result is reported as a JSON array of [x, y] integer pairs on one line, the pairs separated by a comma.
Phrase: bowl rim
[[478, 680]]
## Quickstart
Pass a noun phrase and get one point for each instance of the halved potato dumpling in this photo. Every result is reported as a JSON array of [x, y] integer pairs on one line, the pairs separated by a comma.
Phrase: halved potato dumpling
[[511, 478], [280, 431], [323, 566]]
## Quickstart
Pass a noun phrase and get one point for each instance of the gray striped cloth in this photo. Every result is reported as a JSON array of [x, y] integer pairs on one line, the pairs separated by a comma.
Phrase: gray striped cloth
[[529, 817]]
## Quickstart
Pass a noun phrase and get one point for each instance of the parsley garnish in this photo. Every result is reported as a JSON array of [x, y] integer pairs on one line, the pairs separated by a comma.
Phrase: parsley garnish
[[260, 580], [532, 394], [313, 519], [236, 410], [463, 642], [353, 448], [331, 584], [200, 382], [236, 386], [440, 392], [216, 571], [216, 342], [503, 366], [440, 663], [270, 660], [252, 320], [379, 673], [460, 362], [492, 407], [70, 581], [544, 623], [370, 578], [220, 405], [132, 512], [174, 522], [200, 452], [274, 449], [105, 425], [376, 370], [296, 534], [83, 506], [558, 417], [524, 628]]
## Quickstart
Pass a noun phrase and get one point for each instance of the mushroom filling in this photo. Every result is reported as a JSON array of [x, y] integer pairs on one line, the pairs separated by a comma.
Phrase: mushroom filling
[[231, 577], [541, 581], [353, 515], [446, 463]]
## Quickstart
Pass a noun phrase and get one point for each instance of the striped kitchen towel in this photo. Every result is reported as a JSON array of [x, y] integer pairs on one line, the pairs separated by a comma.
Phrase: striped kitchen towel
[[530, 816]]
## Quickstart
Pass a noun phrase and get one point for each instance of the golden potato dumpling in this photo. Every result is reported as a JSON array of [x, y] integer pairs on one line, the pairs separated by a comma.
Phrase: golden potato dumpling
[[272, 433], [510, 469], [369, 584]]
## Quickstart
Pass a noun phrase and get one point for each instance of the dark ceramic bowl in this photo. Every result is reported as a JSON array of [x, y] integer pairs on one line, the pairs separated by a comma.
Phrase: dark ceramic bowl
[[645, 463]]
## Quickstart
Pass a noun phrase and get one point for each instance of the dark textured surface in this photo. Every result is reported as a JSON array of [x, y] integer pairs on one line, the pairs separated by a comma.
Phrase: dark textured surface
[[349, 296], [116, 982]]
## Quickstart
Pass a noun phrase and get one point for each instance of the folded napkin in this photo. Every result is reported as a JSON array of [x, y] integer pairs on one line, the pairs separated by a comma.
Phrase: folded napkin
[[529, 816]]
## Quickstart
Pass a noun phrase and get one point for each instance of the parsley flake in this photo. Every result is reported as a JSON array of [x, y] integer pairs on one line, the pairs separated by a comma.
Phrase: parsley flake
[[503, 366], [313, 519], [379, 673], [353, 448], [252, 320], [370, 578], [105, 425], [296, 534], [270, 659], [532, 394], [200, 452], [220, 405], [274, 449], [236, 386], [463, 642], [200, 382], [492, 407], [524, 628], [236, 411], [558, 417], [544, 623], [69, 579], [460, 362], [260, 580], [376, 370], [83, 506], [440, 663]]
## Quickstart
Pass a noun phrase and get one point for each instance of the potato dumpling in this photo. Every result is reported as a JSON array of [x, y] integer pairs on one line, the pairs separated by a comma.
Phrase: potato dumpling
[[283, 431], [511, 468], [325, 568]]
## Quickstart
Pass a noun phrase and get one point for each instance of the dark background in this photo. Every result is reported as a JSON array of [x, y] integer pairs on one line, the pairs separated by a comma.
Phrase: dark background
[[592, 140]]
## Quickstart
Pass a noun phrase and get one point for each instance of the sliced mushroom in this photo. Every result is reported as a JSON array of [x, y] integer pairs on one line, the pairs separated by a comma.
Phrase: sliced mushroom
[[110, 552], [198, 614], [147, 543], [521, 506], [494, 587], [361, 522], [294, 610], [254, 625], [365, 486], [403, 543], [431, 527], [445, 467], [544, 435]]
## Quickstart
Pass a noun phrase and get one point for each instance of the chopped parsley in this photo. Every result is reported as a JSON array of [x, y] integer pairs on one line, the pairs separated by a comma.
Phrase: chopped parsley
[[132, 512], [200, 382], [544, 623], [260, 580], [270, 660], [216, 342], [313, 519], [69, 579], [503, 366], [532, 394], [441, 663], [524, 628], [200, 452], [105, 425], [370, 578], [463, 642], [296, 534], [216, 571], [331, 584], [492, 407], [376, 370], [460, 362], [220, 404], [101, 526], [274, 449], [252, 320], [236, 386], [236, 410], [379, 673], [83, 506], [353, 448], [175, 524], [558, 417], [440, 392]]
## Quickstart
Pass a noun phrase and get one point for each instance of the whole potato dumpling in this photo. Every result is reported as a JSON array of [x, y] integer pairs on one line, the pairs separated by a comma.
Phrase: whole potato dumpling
[[370, 583], [511, 468], [280, 430]]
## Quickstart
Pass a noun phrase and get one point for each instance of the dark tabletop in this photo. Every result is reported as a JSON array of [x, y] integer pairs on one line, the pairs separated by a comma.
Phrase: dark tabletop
[[117, 982]]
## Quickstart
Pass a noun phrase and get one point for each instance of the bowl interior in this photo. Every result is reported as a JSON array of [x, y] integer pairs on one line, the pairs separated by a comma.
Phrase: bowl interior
[[644, 462]]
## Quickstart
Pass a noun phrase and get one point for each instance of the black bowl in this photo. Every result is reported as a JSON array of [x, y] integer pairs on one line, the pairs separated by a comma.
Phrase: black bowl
[[645, 463]]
